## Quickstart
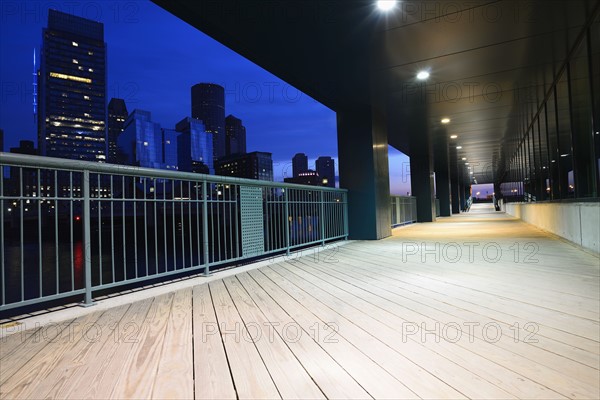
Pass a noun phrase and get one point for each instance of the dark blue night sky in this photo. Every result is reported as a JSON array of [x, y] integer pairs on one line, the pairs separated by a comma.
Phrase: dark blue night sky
[[153, 60]]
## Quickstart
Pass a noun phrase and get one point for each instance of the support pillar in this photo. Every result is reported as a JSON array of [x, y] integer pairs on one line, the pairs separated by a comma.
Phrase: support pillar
[[442, 172], [364, 170], [454, 181], [421, 169]]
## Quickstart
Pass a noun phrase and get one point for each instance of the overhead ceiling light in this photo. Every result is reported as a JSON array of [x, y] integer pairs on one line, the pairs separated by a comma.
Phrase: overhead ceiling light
[[445, 120], [464, 158], [564, 155], [471, 173], [386, 5], [466, 163], [422, 75], [458, 147], [454, 137]]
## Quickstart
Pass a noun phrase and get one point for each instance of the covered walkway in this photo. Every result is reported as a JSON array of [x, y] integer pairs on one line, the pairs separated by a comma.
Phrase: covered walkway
[[479, 305]]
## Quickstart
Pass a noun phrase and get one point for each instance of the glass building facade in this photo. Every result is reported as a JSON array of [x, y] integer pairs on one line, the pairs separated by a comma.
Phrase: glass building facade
[[140, 143], [169, 149], [72, 89], [208, 105], [555, 153], [195, 147]]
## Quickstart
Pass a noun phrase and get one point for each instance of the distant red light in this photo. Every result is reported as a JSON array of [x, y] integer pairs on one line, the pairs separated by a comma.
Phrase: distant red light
[[77, 218]]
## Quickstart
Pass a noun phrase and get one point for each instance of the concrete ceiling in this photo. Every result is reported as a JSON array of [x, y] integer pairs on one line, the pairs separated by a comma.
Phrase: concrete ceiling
[[491, 62]]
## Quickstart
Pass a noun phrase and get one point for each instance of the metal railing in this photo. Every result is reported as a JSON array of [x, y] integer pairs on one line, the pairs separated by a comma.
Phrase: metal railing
[[73, 228], [404, 210]]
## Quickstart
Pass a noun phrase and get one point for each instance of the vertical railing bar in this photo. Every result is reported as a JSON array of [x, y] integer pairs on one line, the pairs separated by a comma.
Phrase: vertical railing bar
[[265, 193], [21, 234], [154, 206], [2, 284], [237, 232], [56, 244], [124, 231], [87, 239], [189, 203], [72, 200], [198, 224], [182, 224], [345, 213], [230, 206], [212, 225], [287, 222], [99, 201], [205, 227], [39, 212], [173, 224], [165, 224], [135, 247], [219, 203], [112, 230], [322, 218], [146, 223]]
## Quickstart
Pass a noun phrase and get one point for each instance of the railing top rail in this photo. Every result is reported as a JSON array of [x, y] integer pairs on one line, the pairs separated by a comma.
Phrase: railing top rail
[[29, 161], [402, 197]]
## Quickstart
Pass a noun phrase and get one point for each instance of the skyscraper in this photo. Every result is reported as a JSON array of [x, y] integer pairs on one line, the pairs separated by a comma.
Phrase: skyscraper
[[117, 114], [235, 136], [326, 170], [255, 165], [208, 105], [195, 147], [299, 164], [140, 143], [170, 149], [72, 86]]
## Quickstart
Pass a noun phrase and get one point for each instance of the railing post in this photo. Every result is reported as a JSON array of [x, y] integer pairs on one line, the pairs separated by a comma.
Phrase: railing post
[[346, 229], [205, 227], [87, 242], [322, 219], [287, 222]]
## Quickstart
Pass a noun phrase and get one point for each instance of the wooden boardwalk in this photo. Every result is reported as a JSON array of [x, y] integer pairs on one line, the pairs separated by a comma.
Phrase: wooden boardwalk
[[475, 306]]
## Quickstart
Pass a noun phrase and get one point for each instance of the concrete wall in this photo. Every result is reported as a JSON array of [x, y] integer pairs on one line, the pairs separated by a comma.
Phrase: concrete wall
[[577, 222]]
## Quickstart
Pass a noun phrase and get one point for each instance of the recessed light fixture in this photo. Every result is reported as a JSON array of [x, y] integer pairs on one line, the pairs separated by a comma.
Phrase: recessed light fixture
[[458, 147], [386, 5], [422, 75], [564, 155], [471, 173], [466, 163], [454, 137], [464, 158], [445, 120]]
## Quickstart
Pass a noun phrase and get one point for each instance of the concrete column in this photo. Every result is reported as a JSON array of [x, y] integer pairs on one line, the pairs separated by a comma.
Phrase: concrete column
[[441, 164], [454, 181], [421, 169], [461, 187], [364, 170]]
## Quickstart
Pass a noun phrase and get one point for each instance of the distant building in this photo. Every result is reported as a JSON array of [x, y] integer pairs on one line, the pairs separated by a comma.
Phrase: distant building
[[117, 114], [28, 175], [208, 105], [308, 177], [72, 89], [170, 149], [1, 140], [255, 165], [235, 136], [326, 170], [195, 147], [140, 143], [299, 164]]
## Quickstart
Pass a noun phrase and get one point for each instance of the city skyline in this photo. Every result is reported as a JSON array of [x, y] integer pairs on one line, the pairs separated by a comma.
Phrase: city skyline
[[142, 70]]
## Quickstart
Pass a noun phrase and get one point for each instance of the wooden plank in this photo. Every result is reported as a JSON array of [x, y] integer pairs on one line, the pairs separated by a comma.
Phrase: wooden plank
[[370, 319], [413, 376], [20, 348], [175, 377], [291, 379], [211, 368], [70, 365], [251, 378], [19, 384], [440, 306], [279, 306], [142, 363], [105, 364]]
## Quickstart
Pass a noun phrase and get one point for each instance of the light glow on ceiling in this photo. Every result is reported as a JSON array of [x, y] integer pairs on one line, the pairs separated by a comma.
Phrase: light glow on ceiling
[[386, 5]]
